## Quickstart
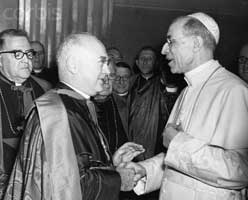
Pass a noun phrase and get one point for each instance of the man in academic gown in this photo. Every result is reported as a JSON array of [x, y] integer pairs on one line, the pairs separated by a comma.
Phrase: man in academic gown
[[17, 91], [206, 133], [64, 154]]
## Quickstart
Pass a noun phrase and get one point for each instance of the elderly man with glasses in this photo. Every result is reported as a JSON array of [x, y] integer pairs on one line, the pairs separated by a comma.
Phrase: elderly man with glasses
[[64, 154], [206, 133], [18, 90]]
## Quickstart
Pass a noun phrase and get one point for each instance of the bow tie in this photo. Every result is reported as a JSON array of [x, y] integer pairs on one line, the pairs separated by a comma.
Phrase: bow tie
[[21, 88]]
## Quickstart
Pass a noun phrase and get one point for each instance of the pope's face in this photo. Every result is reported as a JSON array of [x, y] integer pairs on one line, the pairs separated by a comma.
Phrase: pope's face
[[179, 48]]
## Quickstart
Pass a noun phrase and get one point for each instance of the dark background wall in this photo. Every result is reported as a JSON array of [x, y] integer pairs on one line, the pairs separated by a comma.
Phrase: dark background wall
[[138, 23]]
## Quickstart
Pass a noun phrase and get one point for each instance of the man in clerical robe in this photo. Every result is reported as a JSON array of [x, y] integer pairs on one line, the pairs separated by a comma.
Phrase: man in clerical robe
[[121, 86], [18, 89], [206, 134], [147, 105], [64, 154], [39, 68], [108, 115]]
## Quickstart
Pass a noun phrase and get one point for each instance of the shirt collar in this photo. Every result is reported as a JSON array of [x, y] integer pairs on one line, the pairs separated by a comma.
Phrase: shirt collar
[[201, 73], [78, 91]]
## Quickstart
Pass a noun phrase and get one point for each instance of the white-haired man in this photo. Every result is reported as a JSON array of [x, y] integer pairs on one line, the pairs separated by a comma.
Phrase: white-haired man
[[206, 133], [64, 154]]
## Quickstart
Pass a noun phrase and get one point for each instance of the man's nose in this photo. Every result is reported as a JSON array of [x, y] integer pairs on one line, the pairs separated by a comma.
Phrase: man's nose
[[165, 49], [106, 69]]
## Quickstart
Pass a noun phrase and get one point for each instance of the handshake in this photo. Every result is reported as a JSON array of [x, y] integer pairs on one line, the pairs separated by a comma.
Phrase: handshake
[[130, 172]]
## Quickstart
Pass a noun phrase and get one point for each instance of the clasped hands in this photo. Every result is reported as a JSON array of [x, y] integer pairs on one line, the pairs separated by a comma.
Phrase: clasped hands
[[130, 172]]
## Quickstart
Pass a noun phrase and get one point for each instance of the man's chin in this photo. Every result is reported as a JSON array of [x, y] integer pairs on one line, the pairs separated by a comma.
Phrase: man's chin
[[26, 75]]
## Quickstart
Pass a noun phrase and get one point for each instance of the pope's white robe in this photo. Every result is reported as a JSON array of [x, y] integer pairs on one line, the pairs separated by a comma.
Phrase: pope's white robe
[[209, 158]]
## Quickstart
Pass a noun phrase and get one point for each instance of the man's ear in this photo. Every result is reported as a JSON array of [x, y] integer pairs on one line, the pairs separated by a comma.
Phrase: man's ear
[[198, 43], [72, 65], [137, 62]]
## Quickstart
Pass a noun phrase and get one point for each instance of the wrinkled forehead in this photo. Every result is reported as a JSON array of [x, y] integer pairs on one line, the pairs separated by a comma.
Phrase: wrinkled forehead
[[176, 28], [16, 42]]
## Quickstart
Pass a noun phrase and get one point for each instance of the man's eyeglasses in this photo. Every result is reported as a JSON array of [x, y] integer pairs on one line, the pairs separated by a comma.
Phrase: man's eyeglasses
[[171, 41], [242, 60], [123, 78], [108, 77], [18, 54]]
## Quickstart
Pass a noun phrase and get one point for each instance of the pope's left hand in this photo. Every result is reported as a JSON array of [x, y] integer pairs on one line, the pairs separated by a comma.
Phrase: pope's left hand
[[127, 152], [169, 133]]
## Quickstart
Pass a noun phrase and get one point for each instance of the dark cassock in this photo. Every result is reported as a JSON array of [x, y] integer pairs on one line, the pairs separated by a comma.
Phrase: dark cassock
[[148, 113], [50, 75], [15, 103], [63, 154], [121, 103], [110, 122]]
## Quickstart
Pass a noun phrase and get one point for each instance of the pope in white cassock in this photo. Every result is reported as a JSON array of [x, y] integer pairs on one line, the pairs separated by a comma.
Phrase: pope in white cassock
[[207, 132]]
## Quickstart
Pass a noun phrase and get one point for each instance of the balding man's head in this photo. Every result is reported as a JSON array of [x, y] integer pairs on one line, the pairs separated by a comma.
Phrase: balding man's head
[[243, 63], [82, 62], [39, 58]]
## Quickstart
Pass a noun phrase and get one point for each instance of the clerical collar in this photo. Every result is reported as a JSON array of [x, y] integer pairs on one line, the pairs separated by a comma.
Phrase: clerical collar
[[76, 90], [37, 71], [201, 73], [147, 77], [10, 82], [122, 94]]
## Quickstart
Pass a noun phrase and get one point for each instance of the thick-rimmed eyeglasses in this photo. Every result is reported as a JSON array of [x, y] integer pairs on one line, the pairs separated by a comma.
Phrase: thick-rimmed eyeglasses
[[18, 54]]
